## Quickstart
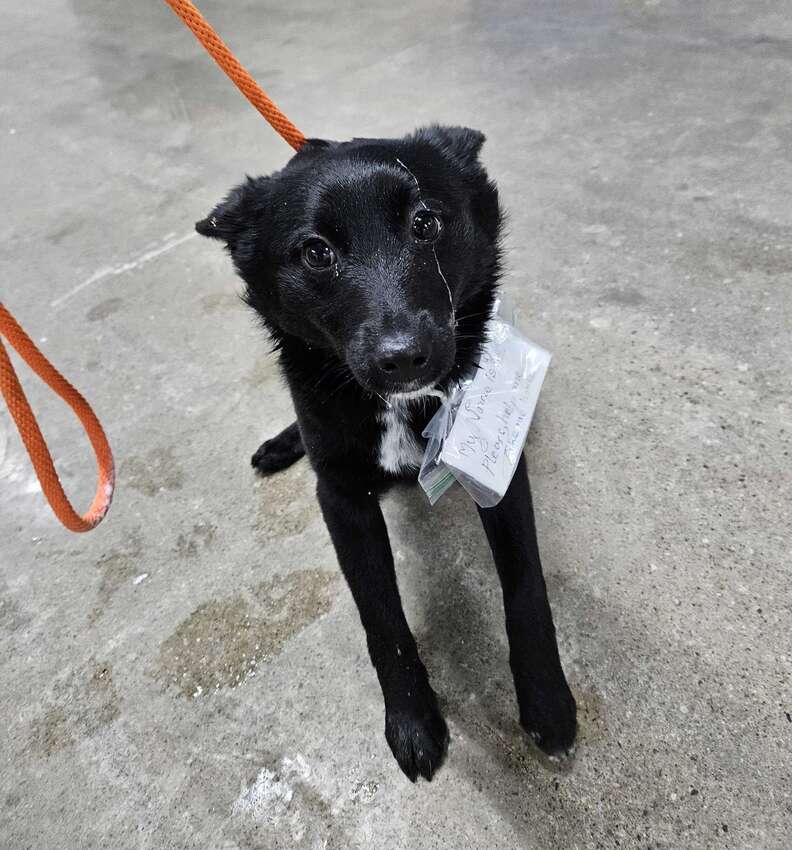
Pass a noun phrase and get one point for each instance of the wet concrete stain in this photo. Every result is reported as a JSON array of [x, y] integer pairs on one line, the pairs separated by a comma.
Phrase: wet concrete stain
[[286, 503], [200, 537], [624, 296], [12, 800], [50, 732], [156, 471], [116, 568], [81, 705], [12, 617], [104, 309], [223, 641], [218, 301], [591, 720], [265, 371], [63, 231]]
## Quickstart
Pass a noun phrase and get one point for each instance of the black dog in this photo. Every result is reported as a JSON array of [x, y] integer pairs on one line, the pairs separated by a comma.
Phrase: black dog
[[374, 265]]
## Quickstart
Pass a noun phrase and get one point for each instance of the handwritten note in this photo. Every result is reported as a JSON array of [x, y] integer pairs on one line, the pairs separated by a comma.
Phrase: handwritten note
[[483, 446]]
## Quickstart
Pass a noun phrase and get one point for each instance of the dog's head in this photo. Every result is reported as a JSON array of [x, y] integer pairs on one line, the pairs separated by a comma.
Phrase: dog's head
[[372, 249]]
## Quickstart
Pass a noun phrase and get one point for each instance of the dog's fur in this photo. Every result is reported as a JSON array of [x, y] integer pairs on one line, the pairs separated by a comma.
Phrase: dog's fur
[[366, 344]]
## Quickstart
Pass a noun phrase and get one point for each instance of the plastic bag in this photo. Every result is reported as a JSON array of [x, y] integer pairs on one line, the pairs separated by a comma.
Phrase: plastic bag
[[477, 436]]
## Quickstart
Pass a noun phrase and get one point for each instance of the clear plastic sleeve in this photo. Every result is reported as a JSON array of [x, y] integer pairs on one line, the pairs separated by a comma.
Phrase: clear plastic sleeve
[[478, 434]]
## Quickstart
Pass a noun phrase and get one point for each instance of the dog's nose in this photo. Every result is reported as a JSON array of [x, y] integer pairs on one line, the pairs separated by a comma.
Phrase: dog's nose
[[403, 357]]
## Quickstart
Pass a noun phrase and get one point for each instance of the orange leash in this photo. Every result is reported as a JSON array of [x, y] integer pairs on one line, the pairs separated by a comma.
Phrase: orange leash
[[9, 382], [234, 70], [31, 433]]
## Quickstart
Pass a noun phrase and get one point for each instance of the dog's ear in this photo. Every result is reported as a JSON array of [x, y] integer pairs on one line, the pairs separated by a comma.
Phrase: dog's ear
[[236, 212], [461, 143]]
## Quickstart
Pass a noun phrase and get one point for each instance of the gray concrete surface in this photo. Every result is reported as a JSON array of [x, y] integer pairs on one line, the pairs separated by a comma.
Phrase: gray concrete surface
[[193, 674]]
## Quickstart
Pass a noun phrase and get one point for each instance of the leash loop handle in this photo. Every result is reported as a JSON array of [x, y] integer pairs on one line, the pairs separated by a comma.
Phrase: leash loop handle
[[32, 437], [11, 388]]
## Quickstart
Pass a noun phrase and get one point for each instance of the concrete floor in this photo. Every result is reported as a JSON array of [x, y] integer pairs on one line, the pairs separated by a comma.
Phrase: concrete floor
[[193, 674]]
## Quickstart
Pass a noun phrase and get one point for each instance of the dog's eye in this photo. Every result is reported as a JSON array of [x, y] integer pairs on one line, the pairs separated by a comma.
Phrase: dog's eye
[[426, 226], [317, 254]]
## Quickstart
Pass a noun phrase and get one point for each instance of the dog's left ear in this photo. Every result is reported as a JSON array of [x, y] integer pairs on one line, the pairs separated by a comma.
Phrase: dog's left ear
[[461, 143], [237, 211]]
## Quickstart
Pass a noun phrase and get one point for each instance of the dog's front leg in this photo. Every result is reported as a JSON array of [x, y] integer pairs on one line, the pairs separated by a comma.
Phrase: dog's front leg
[[547, 707], [414, 728]]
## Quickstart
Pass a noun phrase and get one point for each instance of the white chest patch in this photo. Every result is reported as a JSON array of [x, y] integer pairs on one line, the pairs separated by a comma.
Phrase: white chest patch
[[399, 450]]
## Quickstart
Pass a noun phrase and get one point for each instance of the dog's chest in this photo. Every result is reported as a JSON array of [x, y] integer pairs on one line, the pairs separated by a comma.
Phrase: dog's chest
[[399, 450]]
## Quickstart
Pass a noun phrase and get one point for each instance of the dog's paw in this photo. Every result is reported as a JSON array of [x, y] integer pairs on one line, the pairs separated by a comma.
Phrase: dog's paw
[[418, 741], [550, 718], [276, 454]]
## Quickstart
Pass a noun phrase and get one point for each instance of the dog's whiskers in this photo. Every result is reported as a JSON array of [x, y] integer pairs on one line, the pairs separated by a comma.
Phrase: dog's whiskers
[[331, 371], [340, 387], [473, 315]]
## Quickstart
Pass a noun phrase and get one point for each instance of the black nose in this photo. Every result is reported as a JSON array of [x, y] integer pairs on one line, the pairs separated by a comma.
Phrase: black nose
[[403, 357]]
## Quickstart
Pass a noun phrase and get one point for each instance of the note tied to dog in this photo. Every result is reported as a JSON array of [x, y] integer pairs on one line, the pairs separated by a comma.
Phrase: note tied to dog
[[483, 446]]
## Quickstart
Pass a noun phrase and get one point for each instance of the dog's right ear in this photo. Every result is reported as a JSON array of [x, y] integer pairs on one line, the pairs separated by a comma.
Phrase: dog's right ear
[[461, 143], [236, 212]]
